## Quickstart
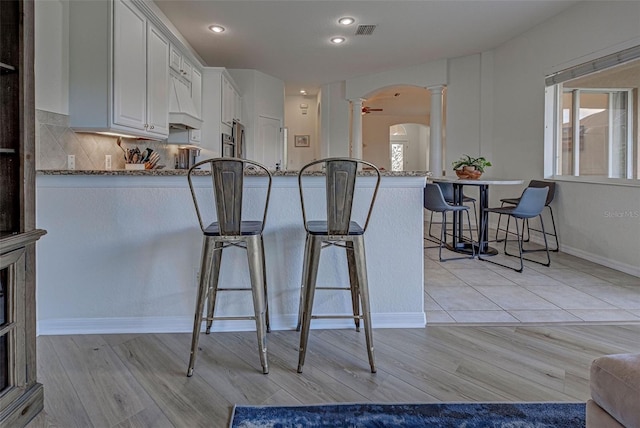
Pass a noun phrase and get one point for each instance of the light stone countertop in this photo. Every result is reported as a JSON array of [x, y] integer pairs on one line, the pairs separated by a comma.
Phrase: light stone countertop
[[183, 172]]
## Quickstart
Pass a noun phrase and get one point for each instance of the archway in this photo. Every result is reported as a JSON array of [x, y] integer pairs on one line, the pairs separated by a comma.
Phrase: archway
[[399, 104]]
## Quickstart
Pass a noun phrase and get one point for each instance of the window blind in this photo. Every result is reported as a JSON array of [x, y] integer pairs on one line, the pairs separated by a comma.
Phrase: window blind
[[593, 66]]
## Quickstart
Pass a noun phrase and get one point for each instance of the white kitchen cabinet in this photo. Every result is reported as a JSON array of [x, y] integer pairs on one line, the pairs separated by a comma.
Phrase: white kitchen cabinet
[[129, 67], [237, 108], [157, 82], [180, 64], [133, 68], [196, 91], [231, 102]]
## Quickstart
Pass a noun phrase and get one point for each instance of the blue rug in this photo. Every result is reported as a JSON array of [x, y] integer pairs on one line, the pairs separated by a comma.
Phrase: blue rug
[[467, 415]]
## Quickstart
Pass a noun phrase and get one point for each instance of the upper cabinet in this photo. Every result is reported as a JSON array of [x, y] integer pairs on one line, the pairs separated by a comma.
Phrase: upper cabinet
[[119, 70], [231, 102], [141, 75], [180, 64]]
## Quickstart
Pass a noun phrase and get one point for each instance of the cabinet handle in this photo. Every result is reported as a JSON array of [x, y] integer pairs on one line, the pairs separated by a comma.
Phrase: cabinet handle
[[152, 127], [146, 125]]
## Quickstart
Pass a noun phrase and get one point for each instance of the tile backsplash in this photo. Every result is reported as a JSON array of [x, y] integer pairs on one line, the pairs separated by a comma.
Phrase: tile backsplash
[[55, 141]]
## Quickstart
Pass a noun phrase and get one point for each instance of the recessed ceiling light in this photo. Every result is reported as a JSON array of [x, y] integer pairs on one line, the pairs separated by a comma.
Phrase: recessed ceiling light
[[217, 28], [337, 40], [303, 92], [347, 20]]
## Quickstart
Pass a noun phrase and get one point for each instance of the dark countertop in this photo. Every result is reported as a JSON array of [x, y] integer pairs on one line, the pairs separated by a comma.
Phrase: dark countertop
[[183, 172]]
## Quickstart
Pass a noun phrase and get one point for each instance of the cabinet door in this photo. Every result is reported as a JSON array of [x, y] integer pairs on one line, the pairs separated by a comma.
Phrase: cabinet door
[[196, 91], [175, 61], [186, 70], [237, 104], [129, 66], [157, 82], [228, 102]]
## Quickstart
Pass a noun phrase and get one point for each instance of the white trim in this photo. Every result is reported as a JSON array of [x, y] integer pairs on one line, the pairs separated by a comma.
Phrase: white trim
[[604, 261], [619, 47], [184, 324], [537, 238], [605, 181]]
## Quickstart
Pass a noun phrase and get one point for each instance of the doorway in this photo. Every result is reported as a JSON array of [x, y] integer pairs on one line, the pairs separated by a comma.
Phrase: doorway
[[409, 147]]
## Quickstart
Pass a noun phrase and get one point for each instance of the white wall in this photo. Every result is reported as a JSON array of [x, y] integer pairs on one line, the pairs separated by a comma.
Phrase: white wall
[[301, 121], [52, 55], [585, 31], [463, 109], [335, 131]]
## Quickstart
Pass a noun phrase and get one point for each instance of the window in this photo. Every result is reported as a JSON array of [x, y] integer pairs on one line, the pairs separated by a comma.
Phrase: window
[[592, 119]]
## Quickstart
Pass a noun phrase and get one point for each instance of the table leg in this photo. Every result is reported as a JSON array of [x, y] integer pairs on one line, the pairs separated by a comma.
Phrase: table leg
[[458, 231], [484, 219]]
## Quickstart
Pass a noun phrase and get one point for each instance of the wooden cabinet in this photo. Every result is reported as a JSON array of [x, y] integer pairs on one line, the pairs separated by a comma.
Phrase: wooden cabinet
[[231, 102], [21, 397], [134, 68]]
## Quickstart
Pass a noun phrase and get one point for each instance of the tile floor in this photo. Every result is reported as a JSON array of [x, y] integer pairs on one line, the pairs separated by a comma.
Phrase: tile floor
[[571, 290]]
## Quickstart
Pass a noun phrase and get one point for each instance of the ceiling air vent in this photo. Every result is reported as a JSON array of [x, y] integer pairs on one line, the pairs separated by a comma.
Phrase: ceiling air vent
[[365, 30]]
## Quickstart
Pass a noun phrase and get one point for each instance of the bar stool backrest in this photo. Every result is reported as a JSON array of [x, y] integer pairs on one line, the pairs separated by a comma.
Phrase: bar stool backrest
[[447, 190], [340, 176], [549, 184], [227, 176], [434, 198], [532, 202]]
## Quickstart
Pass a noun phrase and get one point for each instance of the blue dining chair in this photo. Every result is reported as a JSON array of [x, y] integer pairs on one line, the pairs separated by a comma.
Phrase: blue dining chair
[[530, 205], [434, 201], [447, 192]]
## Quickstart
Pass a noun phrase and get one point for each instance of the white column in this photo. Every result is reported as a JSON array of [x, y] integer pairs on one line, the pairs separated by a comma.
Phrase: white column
[[435, 139], [356, 128]]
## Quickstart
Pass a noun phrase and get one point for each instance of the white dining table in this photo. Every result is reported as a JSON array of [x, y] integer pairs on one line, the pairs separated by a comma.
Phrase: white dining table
[[459, 244]]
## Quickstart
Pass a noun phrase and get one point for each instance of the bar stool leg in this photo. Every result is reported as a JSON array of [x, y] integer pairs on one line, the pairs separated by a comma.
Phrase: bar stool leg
[[353, 281], [305, 266], [214, 275], [255, 258], [309, 286], [361, 268], [205, 269], [266, 295]]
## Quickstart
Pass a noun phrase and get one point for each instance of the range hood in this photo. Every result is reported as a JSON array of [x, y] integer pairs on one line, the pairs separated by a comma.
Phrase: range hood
[[182, 111]]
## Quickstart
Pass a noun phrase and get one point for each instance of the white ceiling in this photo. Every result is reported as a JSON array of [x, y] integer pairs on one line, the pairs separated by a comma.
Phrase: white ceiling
[[289, 39]]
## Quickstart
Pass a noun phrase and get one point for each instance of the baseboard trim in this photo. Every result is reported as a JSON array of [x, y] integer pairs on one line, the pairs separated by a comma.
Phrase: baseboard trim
[[128, 325], [613, 264], [537, 238]]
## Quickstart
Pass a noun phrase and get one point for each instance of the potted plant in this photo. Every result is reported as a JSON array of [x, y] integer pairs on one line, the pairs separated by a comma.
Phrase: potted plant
[[470, 168]]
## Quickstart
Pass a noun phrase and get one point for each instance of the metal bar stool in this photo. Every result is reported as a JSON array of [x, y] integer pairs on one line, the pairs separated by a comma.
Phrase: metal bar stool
[[337, 230], [227, 176], [514, 201], [434, 201], [530, 205]]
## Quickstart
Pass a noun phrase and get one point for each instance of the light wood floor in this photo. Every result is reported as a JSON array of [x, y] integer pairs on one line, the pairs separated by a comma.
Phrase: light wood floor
[[140, 381]]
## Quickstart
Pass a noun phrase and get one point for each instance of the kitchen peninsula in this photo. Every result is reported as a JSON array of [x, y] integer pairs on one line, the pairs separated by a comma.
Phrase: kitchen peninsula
[[123, 250]]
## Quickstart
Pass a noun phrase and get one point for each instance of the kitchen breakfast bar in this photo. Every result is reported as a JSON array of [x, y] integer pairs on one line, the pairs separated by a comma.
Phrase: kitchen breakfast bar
[[122, 253]]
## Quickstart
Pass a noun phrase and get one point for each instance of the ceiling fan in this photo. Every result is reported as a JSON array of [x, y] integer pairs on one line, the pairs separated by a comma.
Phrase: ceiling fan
[[367, 110]]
